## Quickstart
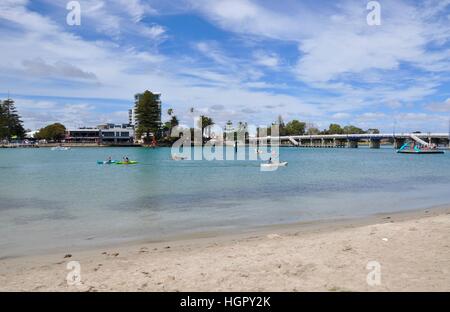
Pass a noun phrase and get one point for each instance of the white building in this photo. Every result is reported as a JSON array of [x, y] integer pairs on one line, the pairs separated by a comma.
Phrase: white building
[[103, 134], [116, 133], [132, 117]]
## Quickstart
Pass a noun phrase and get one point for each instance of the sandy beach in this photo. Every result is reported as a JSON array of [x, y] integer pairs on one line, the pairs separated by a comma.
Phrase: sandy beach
[[412, 249]]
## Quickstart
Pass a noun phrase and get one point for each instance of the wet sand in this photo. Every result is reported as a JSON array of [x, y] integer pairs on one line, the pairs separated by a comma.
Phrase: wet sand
[[412, 250]]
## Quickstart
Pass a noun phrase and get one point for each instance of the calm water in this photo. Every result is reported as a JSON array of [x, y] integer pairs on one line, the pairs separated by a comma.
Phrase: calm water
[[61, 199]]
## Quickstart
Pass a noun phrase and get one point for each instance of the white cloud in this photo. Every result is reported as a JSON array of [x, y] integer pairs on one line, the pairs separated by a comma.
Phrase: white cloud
[[40, 113], [35, 104], [357, 48], [137, 9], [59, 69], [118, 19], [237, 70], [341, 116], [248, 17], [402, 121], [270, 60], [71, 115], [371, 116], [421, 122], [443, 107], [211, 50], [95, 12], [153, 32]]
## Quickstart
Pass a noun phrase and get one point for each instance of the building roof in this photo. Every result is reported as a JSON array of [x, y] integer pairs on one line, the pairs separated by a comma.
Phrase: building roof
[[83, 130]]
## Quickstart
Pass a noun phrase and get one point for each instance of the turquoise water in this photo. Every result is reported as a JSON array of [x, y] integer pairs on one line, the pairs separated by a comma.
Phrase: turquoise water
[[63, 199]]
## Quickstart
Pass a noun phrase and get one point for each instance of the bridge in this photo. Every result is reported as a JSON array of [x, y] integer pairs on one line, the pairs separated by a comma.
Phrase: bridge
[[352, 140]]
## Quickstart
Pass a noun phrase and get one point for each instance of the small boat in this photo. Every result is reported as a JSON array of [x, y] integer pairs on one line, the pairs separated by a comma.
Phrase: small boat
[[60, 148], [412, 148], [436, 151], [177, 157], [274, 164]]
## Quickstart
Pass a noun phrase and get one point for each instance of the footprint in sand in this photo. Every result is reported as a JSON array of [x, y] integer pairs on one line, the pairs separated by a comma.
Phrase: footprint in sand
[[347, 248]]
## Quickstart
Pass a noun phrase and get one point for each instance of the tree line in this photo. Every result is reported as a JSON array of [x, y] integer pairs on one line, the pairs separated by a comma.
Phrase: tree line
[[296, 127]]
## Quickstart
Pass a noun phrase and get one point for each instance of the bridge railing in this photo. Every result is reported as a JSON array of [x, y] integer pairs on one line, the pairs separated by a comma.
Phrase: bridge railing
[[369, 136]]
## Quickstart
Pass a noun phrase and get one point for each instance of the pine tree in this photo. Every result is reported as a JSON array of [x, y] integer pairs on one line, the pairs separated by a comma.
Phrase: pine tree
[[11, 124], [148, 114], [3, 123]]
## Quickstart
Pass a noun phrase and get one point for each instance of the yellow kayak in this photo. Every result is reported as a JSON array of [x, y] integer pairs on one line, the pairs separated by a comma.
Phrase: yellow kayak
[[131, 162]]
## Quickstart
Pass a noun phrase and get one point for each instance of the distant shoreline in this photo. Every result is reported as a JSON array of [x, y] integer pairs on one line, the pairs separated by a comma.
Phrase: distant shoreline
[[91, 145], [50, 145]]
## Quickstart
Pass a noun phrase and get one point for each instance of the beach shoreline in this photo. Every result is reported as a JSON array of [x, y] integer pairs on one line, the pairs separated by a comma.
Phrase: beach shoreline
[[412, 248]]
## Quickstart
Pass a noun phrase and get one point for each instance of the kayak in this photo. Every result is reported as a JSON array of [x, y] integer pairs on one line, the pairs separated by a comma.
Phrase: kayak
[[274, 164], [131, 162], [102, 162]]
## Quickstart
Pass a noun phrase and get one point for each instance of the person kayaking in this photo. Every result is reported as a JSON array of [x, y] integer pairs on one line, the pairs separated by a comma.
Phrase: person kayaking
[[126, 160], [270, 160], [109, 161]]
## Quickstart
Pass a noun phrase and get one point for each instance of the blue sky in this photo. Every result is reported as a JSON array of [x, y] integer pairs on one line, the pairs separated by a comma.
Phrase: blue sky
[[239, 60]]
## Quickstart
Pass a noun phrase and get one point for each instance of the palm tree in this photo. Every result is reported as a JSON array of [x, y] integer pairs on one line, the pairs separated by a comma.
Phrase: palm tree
[[204, 122], [242, 130], [174, 122]]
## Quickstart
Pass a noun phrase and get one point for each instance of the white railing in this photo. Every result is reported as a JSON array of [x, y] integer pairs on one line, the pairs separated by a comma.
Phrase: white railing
[[357, 136]]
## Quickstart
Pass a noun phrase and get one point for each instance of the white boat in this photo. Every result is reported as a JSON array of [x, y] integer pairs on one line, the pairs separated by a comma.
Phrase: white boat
[[177, 157], [60, 148], [274, 164]]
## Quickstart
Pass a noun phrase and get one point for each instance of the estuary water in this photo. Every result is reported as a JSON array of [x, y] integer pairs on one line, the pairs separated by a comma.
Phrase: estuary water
[[53, 200]]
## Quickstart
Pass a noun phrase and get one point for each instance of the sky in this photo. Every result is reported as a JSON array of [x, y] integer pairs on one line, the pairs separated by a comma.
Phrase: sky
[[241, 60]]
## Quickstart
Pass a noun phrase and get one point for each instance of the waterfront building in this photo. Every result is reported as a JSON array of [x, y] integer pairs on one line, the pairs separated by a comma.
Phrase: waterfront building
[[116, 133], [132, 117], [83, 135], [103, 134]]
